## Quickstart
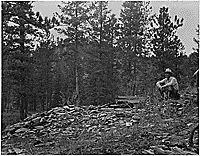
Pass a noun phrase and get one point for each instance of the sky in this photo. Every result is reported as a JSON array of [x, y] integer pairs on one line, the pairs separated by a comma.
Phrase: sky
[[189, 10]]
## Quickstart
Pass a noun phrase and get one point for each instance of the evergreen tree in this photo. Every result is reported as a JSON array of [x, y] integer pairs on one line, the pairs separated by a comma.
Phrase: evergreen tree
[[132, 40], [197, 40], [194, 57], [15, 30], [45, 59], [20, 25], [100, 82], [98, 18], [74, 16], [190, 63], [166, 45]]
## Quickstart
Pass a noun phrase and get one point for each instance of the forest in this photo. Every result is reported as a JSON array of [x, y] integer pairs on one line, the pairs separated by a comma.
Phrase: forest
[[100, 57]]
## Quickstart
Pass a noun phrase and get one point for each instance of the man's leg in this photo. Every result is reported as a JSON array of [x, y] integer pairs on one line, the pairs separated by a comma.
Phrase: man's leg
[[173, 94], [161, 92]]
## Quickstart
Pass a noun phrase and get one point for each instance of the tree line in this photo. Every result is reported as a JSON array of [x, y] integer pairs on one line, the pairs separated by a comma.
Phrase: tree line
[[100, 57]]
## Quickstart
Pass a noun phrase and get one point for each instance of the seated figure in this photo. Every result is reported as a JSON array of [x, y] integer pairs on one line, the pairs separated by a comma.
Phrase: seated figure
[[169, 85]]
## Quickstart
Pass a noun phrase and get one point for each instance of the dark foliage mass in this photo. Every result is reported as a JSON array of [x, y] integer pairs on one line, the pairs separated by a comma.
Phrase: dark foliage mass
[[98, 58]]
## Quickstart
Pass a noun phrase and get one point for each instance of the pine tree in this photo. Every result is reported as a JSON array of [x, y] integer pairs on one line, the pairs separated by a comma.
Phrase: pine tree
[[167, 47], [100, 81], [190, 63], [20, 25], [197, 40], [98, 19], [132, 40], [74, 16], [45, 58], [16, 41]]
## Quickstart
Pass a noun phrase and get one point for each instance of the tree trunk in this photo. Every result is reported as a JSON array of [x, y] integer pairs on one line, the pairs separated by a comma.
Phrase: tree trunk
[[22, 106], [25, 106], [50, 98], [135, 66], [2, 111], [77, 88], [42, 102], [46, 99], [76, 65], [3, 102], [134, 78], [22, 48], [18, 101], [101, 27], [47, 84], [34, 102]]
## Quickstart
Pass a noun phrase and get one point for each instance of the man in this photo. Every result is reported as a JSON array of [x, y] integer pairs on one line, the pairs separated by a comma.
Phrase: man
[[169, 84]]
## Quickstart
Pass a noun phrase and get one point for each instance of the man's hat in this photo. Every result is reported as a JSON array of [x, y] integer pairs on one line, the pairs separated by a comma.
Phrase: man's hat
[[168, 71]]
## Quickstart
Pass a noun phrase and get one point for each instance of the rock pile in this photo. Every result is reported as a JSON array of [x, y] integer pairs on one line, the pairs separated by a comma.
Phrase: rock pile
[[71, 121], [47, 128]]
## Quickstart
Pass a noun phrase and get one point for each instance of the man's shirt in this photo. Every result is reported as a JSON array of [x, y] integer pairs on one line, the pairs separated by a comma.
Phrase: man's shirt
[[169, 82]]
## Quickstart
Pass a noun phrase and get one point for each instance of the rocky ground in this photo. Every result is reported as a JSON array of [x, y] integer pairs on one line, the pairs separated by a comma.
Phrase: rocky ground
[[147, 127]]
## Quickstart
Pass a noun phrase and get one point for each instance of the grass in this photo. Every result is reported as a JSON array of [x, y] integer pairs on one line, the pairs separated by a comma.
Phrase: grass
[[10, 118]]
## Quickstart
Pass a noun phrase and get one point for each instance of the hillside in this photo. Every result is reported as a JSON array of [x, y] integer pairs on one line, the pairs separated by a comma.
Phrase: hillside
[[142, 127]]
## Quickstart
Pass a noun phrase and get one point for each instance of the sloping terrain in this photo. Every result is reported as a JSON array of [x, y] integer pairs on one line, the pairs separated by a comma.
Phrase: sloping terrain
[[147, 127]]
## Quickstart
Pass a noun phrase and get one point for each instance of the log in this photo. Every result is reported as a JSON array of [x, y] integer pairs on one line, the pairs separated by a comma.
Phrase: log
[[129, 99]]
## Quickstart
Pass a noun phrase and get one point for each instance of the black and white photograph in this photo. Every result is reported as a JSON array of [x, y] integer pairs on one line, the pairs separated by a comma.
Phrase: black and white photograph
[[100, 77]]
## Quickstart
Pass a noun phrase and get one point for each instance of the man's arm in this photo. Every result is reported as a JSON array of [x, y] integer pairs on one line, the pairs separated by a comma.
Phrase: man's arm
[[159, 82], [169, 83]]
